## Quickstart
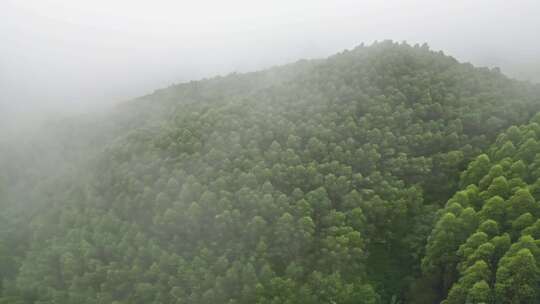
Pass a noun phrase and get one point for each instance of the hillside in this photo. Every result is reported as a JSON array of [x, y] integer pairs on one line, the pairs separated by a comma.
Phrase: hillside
[[315, 182]]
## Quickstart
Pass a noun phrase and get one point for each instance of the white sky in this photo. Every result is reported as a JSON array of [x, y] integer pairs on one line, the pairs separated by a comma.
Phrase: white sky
[[68, 55]]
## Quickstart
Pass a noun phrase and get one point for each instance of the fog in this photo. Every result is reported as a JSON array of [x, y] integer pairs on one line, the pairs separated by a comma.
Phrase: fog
[[61, 57]]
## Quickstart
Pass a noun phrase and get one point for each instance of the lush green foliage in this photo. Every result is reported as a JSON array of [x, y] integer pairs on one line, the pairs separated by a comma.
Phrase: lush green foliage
[[316, 182], [485, 244]]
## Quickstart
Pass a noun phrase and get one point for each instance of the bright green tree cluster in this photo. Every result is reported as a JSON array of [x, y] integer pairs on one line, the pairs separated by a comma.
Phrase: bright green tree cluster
[[484, 247]]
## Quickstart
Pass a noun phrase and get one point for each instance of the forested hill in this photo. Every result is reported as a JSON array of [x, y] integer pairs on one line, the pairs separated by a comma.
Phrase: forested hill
[[315, 182]]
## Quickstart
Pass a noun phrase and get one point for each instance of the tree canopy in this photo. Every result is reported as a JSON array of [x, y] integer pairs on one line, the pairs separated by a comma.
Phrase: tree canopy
[[322, 181]]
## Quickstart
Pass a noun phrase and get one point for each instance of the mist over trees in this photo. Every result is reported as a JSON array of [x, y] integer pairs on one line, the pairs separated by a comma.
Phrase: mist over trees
[[62, 57], [388, 173]]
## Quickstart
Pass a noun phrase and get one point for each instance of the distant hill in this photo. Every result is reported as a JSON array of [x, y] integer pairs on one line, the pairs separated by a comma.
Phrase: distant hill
[[315, 182]]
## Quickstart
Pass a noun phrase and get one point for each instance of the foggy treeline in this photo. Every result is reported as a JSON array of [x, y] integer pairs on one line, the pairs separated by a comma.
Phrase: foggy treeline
[[239, 152], [61, 57]]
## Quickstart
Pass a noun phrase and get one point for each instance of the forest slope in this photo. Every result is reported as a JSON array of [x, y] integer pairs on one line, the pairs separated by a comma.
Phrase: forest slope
[[316, 182]]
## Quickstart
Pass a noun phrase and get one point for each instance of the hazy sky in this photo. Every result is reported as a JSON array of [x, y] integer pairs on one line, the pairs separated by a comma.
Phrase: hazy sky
[[58, 55]]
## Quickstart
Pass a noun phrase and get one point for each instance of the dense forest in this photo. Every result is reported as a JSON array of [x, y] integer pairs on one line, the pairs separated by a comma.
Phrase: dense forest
[[388, 173]]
